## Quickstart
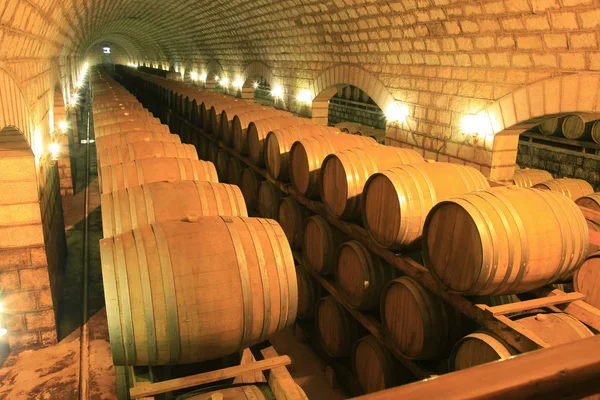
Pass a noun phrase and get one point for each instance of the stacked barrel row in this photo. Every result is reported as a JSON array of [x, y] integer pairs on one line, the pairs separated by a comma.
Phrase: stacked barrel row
[[173, 238], [478, 241], [578, 126]]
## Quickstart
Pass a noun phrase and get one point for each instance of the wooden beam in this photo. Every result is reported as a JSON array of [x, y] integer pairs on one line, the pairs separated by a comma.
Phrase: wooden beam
[[567, 371], [151, 389], [257, 376], [533, 303], [280, 381]]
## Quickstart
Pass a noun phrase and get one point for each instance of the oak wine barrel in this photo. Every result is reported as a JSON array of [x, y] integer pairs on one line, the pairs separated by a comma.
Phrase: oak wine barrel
[[595, 133], [344, 174], [221, 164], [234, 171], [376, 368], [530, 177], [137, 172], [579, 125], [99, 108], [142, 205], [205, 109], [240, 122], [309, 293], [291, 216], [337, 329], [164, 289], [226, 119], [572, 188], [148, 125], [504, 240], [148, 120], [269, 197], [421, 325], [307, 155], [279, 142], [216, 111], [258, 131], [395, 202], [361, 276], [320, 244], [140, 150], [550, 127], [591, 201], [250, 181], [118, 116], [587, 279], [123, 139], [254, 391], [481, 347]]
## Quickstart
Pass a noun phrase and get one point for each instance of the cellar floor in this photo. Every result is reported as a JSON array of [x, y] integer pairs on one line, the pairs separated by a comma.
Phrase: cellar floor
[[53, 372]]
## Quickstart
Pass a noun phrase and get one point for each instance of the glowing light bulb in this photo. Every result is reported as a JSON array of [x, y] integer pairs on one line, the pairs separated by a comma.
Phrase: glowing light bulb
[[54, 150], [304, 96], [62, 125], [203, 77], [255, 85], [3, 332], [217, 78], [277, 92], [224, 82], [194, 76], [395, 113], [238, 83], [475, 125], [74, 100]]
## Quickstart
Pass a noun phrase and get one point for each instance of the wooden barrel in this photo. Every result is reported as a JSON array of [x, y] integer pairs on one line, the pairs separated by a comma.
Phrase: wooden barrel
[[258, 131], [421, 325], [572, 188], [205, 106], [279, 142], [99, 108], [587, 279], [216, 111], [361, 276], [595, 133], [123, 139], [221, 164], [255, 391], [226, 119], [510, 250], [137, 172], [250, 181], [579, 125], [337, 329], [151, 203], [309, 292], [148, 120], [590, 200], [212, 150], [148, 125], [530, 177], [307, 155], [320, 244], [140, 150], [408, 193], [482, 347], [291, 216], [234, 171], [240, 122], [269, 197], [117, 116], [344, 174], [202, 147], [164, 289], [375, 367], [550, 127]]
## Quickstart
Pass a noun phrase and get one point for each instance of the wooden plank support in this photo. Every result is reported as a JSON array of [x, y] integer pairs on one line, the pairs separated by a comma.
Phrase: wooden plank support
[[532, 304], [579, 309], [257, 376], [280, 381], [150, 389], [566, 371]]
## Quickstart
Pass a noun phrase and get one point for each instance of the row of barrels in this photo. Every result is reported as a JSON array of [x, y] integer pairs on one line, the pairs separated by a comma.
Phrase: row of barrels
[[173, 236], [420, 324], [401, 198], [577, 126]]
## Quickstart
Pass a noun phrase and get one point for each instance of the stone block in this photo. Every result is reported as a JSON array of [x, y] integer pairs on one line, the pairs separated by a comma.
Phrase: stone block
[[9, 281], [49, 337], [555, 40], [564, 20], [14, 258], [34, 278], [572, 61], [585, 40], [40, 320], [18, 192], [14, 322], [17, 302], [530, 42], [23, 340]]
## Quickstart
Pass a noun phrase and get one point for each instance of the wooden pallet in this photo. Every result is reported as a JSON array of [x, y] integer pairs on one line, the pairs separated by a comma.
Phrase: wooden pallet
[[143, 382], [492, 319]]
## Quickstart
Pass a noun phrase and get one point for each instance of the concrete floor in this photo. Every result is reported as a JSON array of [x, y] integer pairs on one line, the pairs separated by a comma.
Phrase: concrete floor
[[53, 372]]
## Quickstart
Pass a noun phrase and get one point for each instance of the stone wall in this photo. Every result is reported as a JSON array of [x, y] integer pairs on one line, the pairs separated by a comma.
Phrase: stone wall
[[343, 110], [561, 163]]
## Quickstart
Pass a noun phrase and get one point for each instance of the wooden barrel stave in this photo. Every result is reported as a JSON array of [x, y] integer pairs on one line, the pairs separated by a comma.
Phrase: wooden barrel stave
[[123, 139], [337, 329], [309, 293], [321, 241], [269, 197], [291, 216], [249, 184], [141, 150], [530, 177]]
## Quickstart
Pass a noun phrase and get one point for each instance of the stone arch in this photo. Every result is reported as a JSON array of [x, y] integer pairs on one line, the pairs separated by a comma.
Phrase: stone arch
[[254, 70], [213, 67], [529, 106], [15, 112], [326, 85]]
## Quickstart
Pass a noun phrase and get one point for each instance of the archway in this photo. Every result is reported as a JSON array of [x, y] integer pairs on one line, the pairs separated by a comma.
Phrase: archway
[[258, 81], [529, 106]]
